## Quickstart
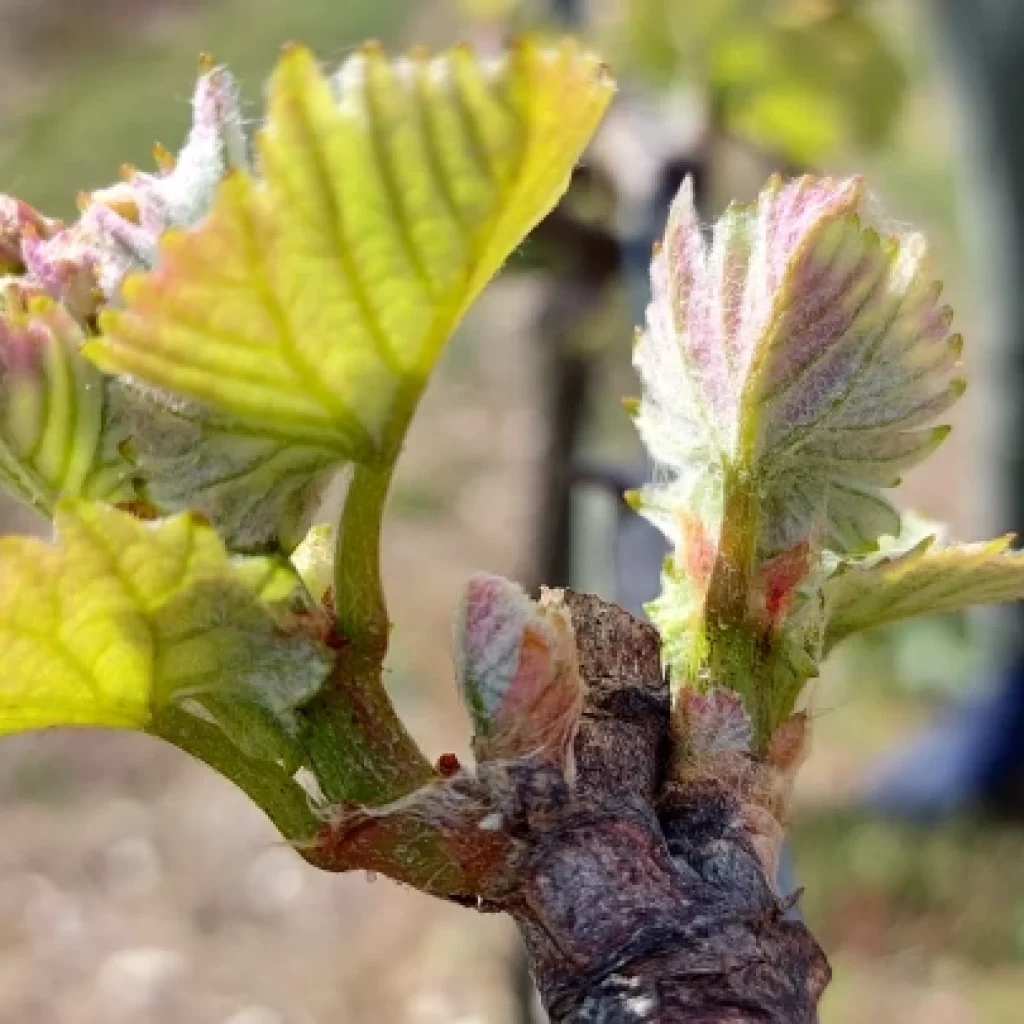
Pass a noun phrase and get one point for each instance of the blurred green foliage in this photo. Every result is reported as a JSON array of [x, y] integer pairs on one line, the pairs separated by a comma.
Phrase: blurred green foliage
[[955, 890], [798, 77], [932, 658]]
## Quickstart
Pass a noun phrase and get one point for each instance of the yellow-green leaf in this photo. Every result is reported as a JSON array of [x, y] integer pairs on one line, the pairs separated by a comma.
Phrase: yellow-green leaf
[[121, 618], [925, 580], [311, 303]]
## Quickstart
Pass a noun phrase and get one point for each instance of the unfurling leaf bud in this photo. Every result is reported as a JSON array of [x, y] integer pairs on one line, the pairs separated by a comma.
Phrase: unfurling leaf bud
[[84, 265], [57, 433], [515, 662]]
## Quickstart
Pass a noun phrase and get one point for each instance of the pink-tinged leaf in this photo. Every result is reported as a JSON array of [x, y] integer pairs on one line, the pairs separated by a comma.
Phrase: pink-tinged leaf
[[18, 220], [84, 265], [64, 266], [188, 457], [715, 722], [515, 662], [216, 145], [792, 367], [800, 348]]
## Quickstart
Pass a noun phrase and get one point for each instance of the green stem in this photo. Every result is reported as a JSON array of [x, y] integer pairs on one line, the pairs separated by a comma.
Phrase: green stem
[[283, 800], [359, 603], [733, 643], [357, 744]]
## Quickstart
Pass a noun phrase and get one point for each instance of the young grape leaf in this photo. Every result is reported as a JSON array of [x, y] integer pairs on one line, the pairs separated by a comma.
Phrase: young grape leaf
[[122, 618], [84, 264], [17, 219], [791, 370], [309, 306], [58, 435], [714, 722], [800, 359], [914, 573], [925, 580]]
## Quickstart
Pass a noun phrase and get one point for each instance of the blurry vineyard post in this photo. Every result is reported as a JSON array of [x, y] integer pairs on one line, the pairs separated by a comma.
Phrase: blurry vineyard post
[[974, 757], [986, 43]]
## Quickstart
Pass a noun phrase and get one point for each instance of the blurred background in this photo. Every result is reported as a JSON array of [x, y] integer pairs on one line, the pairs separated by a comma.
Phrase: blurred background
[[137, 886]]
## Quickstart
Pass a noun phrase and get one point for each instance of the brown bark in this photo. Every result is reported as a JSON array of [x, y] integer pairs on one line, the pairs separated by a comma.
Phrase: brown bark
[[647, 902], [639, 897]]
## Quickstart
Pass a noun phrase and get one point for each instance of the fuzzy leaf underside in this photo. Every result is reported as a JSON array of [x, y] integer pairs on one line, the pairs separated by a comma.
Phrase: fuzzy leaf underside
[[308, 308], [925, 580], [82, 266], [121, 618], [714, 722], [792, 367], [800, 351], [57, 432], [487, 641], [258, 489], [791, 370]]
